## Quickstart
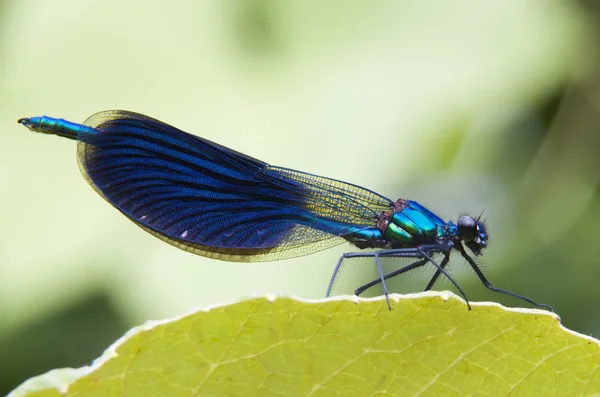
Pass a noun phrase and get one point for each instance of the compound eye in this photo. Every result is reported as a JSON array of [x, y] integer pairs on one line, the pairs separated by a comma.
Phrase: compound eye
[[467, 228]]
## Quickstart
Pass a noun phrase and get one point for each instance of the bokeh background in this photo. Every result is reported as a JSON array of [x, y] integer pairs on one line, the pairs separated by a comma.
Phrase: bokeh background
[[464, 106]]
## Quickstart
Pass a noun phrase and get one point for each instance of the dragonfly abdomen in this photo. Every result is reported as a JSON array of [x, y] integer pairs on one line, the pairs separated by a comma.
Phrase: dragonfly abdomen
[[60, 127]]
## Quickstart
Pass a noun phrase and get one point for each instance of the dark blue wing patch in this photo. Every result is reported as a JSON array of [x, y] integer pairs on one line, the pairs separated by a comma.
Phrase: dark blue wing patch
[[211, 200]]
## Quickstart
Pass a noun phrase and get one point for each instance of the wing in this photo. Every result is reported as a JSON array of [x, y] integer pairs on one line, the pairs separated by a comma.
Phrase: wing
[[210, 200]]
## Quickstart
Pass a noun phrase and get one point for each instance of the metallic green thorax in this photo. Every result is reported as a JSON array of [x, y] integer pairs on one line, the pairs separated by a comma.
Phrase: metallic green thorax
[[411, 223], [407, 224]]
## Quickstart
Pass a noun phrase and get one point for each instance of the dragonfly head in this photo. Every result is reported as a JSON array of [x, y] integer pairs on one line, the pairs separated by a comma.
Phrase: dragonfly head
[[473, 233]]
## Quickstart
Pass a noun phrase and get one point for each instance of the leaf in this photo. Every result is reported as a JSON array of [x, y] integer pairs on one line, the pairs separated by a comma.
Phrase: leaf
[[428, 345]]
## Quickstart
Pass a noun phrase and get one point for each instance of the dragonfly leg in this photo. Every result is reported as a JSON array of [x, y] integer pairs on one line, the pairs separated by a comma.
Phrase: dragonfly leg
[[441, 270], [418, 252], [438, 272], [335, 272], [489, 286], [337, 267], [383, 284], [395, 273], [398, 252]]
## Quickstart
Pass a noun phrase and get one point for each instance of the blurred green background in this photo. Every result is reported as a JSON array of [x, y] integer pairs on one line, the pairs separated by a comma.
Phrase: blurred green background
[[464, 106]]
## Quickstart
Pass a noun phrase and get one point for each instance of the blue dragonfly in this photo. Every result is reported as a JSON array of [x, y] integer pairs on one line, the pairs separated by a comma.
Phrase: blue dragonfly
[[213, 201]]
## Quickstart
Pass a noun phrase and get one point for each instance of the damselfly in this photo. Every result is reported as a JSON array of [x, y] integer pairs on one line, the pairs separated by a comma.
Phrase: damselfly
[[213, 201]]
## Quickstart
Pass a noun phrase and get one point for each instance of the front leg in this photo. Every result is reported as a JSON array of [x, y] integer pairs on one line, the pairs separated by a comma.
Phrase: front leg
[[489, 286]]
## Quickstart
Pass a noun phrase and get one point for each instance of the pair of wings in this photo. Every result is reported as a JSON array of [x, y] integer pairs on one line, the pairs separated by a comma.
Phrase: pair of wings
[[210, 200]]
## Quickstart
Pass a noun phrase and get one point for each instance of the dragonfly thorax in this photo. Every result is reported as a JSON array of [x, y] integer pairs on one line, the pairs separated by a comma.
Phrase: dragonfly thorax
[[406, 224]]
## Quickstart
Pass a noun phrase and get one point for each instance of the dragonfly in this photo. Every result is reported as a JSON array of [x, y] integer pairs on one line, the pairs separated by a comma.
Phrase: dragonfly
[[210, 200]]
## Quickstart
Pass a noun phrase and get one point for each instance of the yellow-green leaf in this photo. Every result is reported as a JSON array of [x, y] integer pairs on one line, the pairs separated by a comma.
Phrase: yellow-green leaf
[[428, 345]]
